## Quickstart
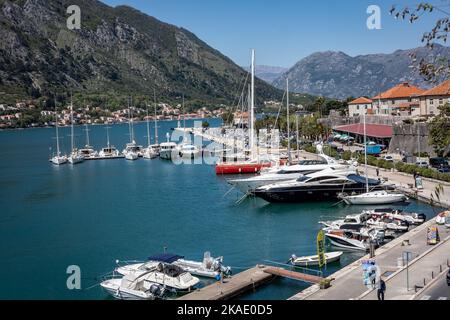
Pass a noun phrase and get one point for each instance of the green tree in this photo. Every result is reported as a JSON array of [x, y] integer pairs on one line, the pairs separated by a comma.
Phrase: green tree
[[440, 130], [432, 69]]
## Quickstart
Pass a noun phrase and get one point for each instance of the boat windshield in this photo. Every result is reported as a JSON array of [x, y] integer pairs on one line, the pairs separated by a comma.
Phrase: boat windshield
[[170, 270], [312, 162]]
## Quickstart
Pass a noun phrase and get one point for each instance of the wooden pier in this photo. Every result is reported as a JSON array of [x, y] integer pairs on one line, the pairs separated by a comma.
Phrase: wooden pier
[[245, 281]]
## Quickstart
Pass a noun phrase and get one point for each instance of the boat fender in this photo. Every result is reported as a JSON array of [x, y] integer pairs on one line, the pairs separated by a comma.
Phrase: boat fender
[[218, 277]]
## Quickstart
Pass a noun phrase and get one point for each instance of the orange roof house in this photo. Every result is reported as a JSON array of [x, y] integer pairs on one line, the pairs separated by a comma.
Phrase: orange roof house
[[404, 90], [361, 100], [441, 90]]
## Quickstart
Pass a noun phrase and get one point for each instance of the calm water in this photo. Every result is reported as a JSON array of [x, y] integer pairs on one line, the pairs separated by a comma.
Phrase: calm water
[[99, 211]]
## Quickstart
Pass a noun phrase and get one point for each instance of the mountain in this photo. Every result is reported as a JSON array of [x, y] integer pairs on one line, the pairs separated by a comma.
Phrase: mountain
[[268, 73], [118, 50], [338, 75]]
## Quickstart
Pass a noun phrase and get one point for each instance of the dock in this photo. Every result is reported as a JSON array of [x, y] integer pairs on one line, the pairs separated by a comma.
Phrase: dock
[[245, 281]]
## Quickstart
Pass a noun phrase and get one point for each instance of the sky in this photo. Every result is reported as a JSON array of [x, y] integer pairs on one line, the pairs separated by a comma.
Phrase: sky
[[284, 31]]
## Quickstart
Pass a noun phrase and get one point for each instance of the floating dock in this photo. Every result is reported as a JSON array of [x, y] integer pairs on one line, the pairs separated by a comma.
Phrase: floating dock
[[245, 281]]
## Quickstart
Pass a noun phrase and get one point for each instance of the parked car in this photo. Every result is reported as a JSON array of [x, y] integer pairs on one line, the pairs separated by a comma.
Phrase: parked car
[[422, 164], [388, 158], [438, 162], [448, 277], [444, 169]]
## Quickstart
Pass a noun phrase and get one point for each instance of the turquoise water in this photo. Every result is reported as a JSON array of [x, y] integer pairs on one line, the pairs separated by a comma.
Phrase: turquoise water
[[99, 211]]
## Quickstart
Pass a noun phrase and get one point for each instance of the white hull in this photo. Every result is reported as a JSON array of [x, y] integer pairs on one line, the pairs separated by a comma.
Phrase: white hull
[[375, 198], [115, 289], [131, 156], [248, 185], [314, 260], [346, 243], [58, 160], [75, 159], [149, 154]]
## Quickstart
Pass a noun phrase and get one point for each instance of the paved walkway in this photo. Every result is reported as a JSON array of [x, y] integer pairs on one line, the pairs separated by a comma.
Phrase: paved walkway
[[348, 283]]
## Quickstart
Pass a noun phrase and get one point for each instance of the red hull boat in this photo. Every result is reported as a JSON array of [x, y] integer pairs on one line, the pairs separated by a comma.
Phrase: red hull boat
[[239, 168]]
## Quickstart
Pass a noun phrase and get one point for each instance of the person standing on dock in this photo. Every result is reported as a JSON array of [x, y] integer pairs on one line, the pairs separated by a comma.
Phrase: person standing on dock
[[381, 290]]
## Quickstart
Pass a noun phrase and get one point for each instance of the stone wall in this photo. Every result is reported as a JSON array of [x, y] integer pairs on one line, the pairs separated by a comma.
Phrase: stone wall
[[406, 138]]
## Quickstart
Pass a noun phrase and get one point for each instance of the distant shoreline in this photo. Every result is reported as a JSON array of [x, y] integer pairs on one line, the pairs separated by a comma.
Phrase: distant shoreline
[[101, 124]]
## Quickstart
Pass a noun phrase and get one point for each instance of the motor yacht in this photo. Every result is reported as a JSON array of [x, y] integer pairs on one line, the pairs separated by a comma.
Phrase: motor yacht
[[167, 150], [327, 184]]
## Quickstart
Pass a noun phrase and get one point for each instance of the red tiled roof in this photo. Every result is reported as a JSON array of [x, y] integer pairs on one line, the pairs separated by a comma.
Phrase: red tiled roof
[[361, 100], [372, 130], [404, 90], [440, 90]]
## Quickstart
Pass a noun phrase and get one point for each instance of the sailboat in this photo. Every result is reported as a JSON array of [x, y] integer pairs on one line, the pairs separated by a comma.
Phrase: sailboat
[[88, 151], [185, 149], [131, 151], [377, 197], [253, 165], [74, 157], [58, 159], [150, 152], [110, 151]]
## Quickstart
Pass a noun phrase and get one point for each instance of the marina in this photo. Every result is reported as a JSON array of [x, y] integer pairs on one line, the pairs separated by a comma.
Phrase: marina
[[118, 192]]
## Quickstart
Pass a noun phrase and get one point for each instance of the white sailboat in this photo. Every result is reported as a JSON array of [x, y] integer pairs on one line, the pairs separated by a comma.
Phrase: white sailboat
[[373, 197], [74, 157], [131, 151], [58, 159], [310, 261], [185, 149], [88, 151], [110, 151], [150, 152]]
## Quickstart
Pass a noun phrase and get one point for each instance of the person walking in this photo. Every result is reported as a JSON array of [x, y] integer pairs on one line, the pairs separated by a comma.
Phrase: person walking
[[381, 290], [378, 172]]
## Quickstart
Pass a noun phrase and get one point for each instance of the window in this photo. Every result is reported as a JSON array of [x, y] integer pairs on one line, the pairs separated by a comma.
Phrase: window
[[441, 101], [357, 107], [431, 101]]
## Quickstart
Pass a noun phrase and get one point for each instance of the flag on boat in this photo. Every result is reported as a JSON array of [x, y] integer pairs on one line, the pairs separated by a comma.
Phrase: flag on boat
[[321, 248]]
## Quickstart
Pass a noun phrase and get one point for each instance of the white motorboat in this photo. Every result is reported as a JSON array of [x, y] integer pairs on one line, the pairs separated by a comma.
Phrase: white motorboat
[[150, 153], [375, 198], [352, 240], [168, 275], [209, 267], [388, 224], [131, 287], [167, 150], [286, 173], [310, 261], [350, 222], [410, 217], [58, 159]]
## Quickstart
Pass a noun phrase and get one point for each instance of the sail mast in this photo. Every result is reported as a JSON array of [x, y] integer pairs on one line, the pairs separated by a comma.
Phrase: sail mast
[[71, 120], [156, 121], [252, 107], [57, 133], [365, 153], [148, 128], [288, 125]]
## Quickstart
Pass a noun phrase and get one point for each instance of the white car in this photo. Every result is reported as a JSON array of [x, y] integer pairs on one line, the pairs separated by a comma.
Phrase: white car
[[422, 164], [388, 158]]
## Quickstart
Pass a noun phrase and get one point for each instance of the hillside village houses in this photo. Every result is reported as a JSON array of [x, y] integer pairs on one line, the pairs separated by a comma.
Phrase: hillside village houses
[[404, 100]]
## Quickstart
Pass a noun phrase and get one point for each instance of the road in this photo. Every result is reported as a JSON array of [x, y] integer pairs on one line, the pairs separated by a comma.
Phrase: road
[[439, 290]]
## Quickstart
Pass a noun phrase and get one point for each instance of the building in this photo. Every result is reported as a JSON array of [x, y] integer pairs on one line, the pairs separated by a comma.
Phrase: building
[[432, 99], [379, 133], [403, 99], [360, 106]]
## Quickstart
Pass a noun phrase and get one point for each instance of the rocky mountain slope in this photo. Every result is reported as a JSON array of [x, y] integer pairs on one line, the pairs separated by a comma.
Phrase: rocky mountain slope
[[268, 73], [338, 75], [118, 50]]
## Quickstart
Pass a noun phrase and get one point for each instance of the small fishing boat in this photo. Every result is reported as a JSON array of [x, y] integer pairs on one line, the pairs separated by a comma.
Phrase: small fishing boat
[[410, 217], [131, 287], [309, 261]]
